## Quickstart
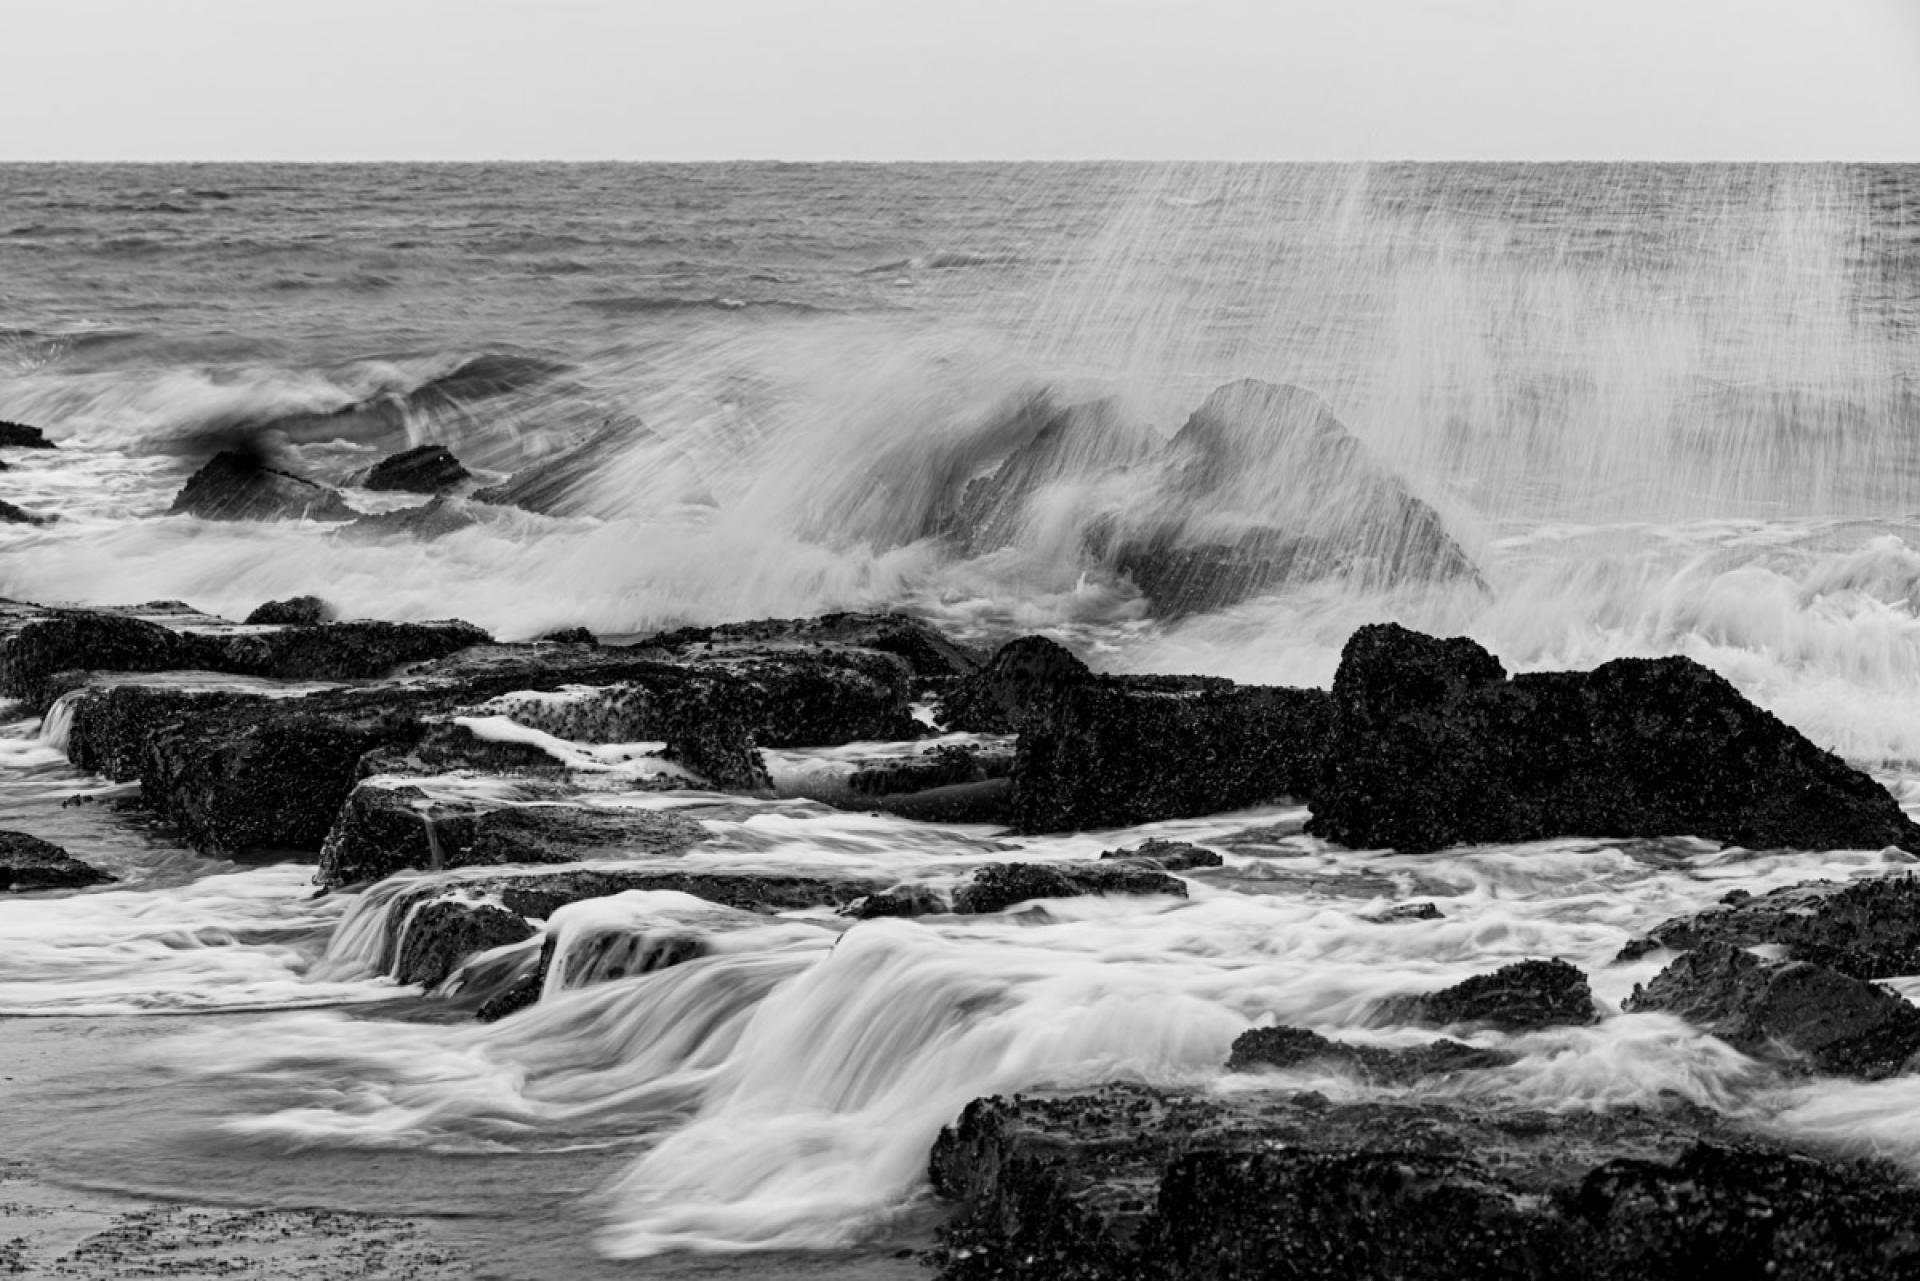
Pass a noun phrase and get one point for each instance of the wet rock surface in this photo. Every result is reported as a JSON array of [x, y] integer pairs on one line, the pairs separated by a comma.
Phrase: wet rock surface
[[1116, 751], [29, 863], [1514, 998], [1431, 744], [236, 485], [928, 654], [1293, 1047], [1791, 1012], [1168, 856], [295, 611], [1138, 1183], [21, 436], [1023, 677], [1869, 929], [999, 886], [427, 469], [441, 934]]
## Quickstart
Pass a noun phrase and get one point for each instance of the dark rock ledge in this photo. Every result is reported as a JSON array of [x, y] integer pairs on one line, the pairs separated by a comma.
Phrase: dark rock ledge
[[29, 863]]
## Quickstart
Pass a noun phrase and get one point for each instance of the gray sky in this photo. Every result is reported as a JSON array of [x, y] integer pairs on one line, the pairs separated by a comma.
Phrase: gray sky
[[959, 79]]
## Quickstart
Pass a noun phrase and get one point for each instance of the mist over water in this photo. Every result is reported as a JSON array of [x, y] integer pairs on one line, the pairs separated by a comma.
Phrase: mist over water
[[1660, 409]]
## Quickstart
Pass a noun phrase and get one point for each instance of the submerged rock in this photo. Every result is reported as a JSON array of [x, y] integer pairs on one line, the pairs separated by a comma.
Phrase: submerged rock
[[29, 863], [1788, 1011], [1514, 998], [1131, 1182], [1116, 751], [999, 886], [1168, 856], [426, 469], [237, 485], [1432, 745], [441, 934], [295, 611], [1869, 929], [11, 515], [1291, 1047], [21, 436]]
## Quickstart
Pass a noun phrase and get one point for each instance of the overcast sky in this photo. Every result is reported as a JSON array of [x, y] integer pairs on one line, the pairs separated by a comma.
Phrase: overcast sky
[[959, 79]]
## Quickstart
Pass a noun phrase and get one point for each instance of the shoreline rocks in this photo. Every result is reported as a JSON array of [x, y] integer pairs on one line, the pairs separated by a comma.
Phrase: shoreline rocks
[[29, 863], [425, 469], [239, 485]]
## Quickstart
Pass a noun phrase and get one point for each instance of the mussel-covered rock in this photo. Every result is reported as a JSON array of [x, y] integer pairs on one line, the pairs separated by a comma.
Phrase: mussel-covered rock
[[1869, 929], [1790, 1011], [1432, 745]]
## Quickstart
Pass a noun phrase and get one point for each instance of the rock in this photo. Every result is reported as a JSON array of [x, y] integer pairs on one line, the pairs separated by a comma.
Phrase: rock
[[1791, 1011], [295, 611], [901, 900], [444, 515], [1136, 1183], [235, 485], [426, 469], [570, 636], [929, 655], [36, 644], [1868, 929], [29, 863], [1514, 998], [1117, 751], [540, 894], [999, 886], [441, 934], [11, 515], [1024, 675], [1431, 745], [1289, 1047], [1407, 912], [1261, 487], [1168, 856], [389, 823], [21, 436]]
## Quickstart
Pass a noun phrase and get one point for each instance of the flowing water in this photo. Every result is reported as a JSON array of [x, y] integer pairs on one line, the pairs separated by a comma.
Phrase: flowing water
[[1665, 410]]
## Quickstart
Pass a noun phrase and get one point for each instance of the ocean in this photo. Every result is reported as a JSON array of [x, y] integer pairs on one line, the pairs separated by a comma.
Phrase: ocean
[[1665, 410]]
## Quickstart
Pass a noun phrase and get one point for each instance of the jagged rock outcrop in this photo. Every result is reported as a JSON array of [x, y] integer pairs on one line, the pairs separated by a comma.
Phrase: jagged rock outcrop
[[29, 863], [294, 611], [1149, 1185], [425, 469], [1793, 1012], [1431, 744], [239, 485], [1869, 929]]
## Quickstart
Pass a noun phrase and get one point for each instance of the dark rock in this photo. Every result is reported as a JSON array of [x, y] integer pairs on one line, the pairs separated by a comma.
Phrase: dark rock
[[236, 485], [927, 653], [943, 766], [11, 515], [1514, 998], [295, 611], [571, 636], [1289, 1047], [441, 934], [1431, 745], [1407, 912], [1024, 675], [541, 894], [426, 469], [21, 436], [1117, 751], [1868, 929], [1130, 1182], [1263, 486], [901, 900], [29, 863], [1787, 1010], [387, 824], [999, 886], [444, 515], [1168, 856], [512, 999], [36, 644]]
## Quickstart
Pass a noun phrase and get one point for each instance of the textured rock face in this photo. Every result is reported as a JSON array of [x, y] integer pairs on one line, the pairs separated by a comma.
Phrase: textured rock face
[[1024, 677], [29, 863], [1790, 1011], [441, 934], [238, 486], [1168, 856], [1115, 751], [1514, 998], [295, 611], [999, 886], [1867, 929], [1129, 1182], [1431, 745], [929, 655], [428, 469]]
